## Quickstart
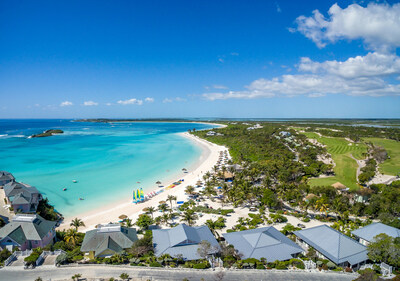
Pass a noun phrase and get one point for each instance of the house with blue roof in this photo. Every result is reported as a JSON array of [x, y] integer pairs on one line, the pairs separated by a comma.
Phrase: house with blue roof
[[332, 245], [264, 242], [183, 241], [366, 234]]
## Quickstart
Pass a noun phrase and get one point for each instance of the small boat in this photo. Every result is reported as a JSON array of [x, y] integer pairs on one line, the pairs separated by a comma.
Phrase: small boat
[[74, 181], [64, 189], [81, 198]]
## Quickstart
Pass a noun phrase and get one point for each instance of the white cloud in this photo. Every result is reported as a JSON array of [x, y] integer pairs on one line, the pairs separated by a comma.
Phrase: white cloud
[[149, 99], [90, 103], [66, 103], [130, 101], [178, 99], [373, 64], [378, 25], [108, 103], [358, 76], [220, 87]]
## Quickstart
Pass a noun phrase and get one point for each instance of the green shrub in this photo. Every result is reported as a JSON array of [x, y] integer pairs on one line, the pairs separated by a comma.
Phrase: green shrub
[[260, 266], [202, 265], [281, 265], [155, 264], [77, 258]]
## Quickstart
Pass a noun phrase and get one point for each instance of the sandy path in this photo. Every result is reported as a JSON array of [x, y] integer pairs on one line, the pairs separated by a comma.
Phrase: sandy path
[[110, 213]]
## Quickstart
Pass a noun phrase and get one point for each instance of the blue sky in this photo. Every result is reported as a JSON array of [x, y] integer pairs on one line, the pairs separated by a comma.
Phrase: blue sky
[[140, 59]]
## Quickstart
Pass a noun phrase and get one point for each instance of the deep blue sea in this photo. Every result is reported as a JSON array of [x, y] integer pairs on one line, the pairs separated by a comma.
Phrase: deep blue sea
[[107, 159]]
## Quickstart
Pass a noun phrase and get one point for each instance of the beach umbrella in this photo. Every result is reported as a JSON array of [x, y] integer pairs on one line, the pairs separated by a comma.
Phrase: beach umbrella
[[184, 169], [122, 217], [162, 202], [158, 182]]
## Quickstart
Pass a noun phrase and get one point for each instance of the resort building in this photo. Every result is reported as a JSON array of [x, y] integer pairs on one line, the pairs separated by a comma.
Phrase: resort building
[[366, 234], [183, 241], [211, 133], [107, 240], [6, 177], [264, 242], [27, 231], [332, 245], [22, 197]]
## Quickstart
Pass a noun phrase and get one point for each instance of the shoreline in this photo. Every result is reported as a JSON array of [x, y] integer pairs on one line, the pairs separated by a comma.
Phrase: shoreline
[[110, 212]]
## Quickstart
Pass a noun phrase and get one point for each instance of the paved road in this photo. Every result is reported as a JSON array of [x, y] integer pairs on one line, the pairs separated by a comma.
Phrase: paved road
[[92, 272]]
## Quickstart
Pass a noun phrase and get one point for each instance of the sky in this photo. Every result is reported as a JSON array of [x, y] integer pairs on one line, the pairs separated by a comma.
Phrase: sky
[[203, 59]]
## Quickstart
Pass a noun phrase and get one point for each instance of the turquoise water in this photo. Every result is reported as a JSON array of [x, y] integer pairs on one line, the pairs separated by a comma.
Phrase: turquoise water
[[107, 160]]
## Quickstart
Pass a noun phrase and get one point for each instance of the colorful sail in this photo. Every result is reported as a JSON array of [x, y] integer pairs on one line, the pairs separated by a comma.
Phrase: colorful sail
[[141, 194]]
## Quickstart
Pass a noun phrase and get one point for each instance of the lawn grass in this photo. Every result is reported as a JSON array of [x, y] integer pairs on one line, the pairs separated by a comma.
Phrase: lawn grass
[[390, 166], [346, 167]]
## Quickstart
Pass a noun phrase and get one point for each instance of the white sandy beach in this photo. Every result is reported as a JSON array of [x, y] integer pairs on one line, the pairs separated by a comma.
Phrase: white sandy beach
[[110, 213]]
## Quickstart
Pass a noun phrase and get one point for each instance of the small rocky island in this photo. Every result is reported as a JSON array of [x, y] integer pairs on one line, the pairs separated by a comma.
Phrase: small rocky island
[[47, 133]]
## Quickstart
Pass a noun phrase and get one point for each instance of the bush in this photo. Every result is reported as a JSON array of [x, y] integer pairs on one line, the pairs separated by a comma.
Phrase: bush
[[155, 264], [281, 265], [297, 263], [77, 258], [260, 266], [202, 265], [348, 269]]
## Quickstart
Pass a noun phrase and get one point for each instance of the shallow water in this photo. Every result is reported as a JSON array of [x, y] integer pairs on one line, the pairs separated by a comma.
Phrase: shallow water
[[107, 160]]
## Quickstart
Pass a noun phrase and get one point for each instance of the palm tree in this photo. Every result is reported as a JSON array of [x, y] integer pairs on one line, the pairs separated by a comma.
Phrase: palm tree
[[165, 218], [127, 223], [77, 223], [163, 207], [171, 198], [189, 217], [71, 236], [151, 211], [190, 190], [213, 226]]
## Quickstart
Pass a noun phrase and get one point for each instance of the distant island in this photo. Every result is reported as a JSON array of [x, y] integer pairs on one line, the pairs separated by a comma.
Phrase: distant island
[[47, 133], [104, 120]]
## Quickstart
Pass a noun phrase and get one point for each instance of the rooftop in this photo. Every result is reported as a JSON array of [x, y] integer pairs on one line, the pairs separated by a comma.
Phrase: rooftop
[[265, 242], [109, 237], [370, 231], [333, 244], [27, 227], [182, 240]]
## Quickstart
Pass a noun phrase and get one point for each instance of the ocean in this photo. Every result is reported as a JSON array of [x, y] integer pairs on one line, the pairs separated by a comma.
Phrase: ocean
[[108, 160]]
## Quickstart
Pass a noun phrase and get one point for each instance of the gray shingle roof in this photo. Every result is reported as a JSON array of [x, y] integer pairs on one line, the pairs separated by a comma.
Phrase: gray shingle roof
[[6, 176], [182, 240], [265, 242], [370, 231], [116, 239], [15, 188], [27, 227], [334, 245]]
